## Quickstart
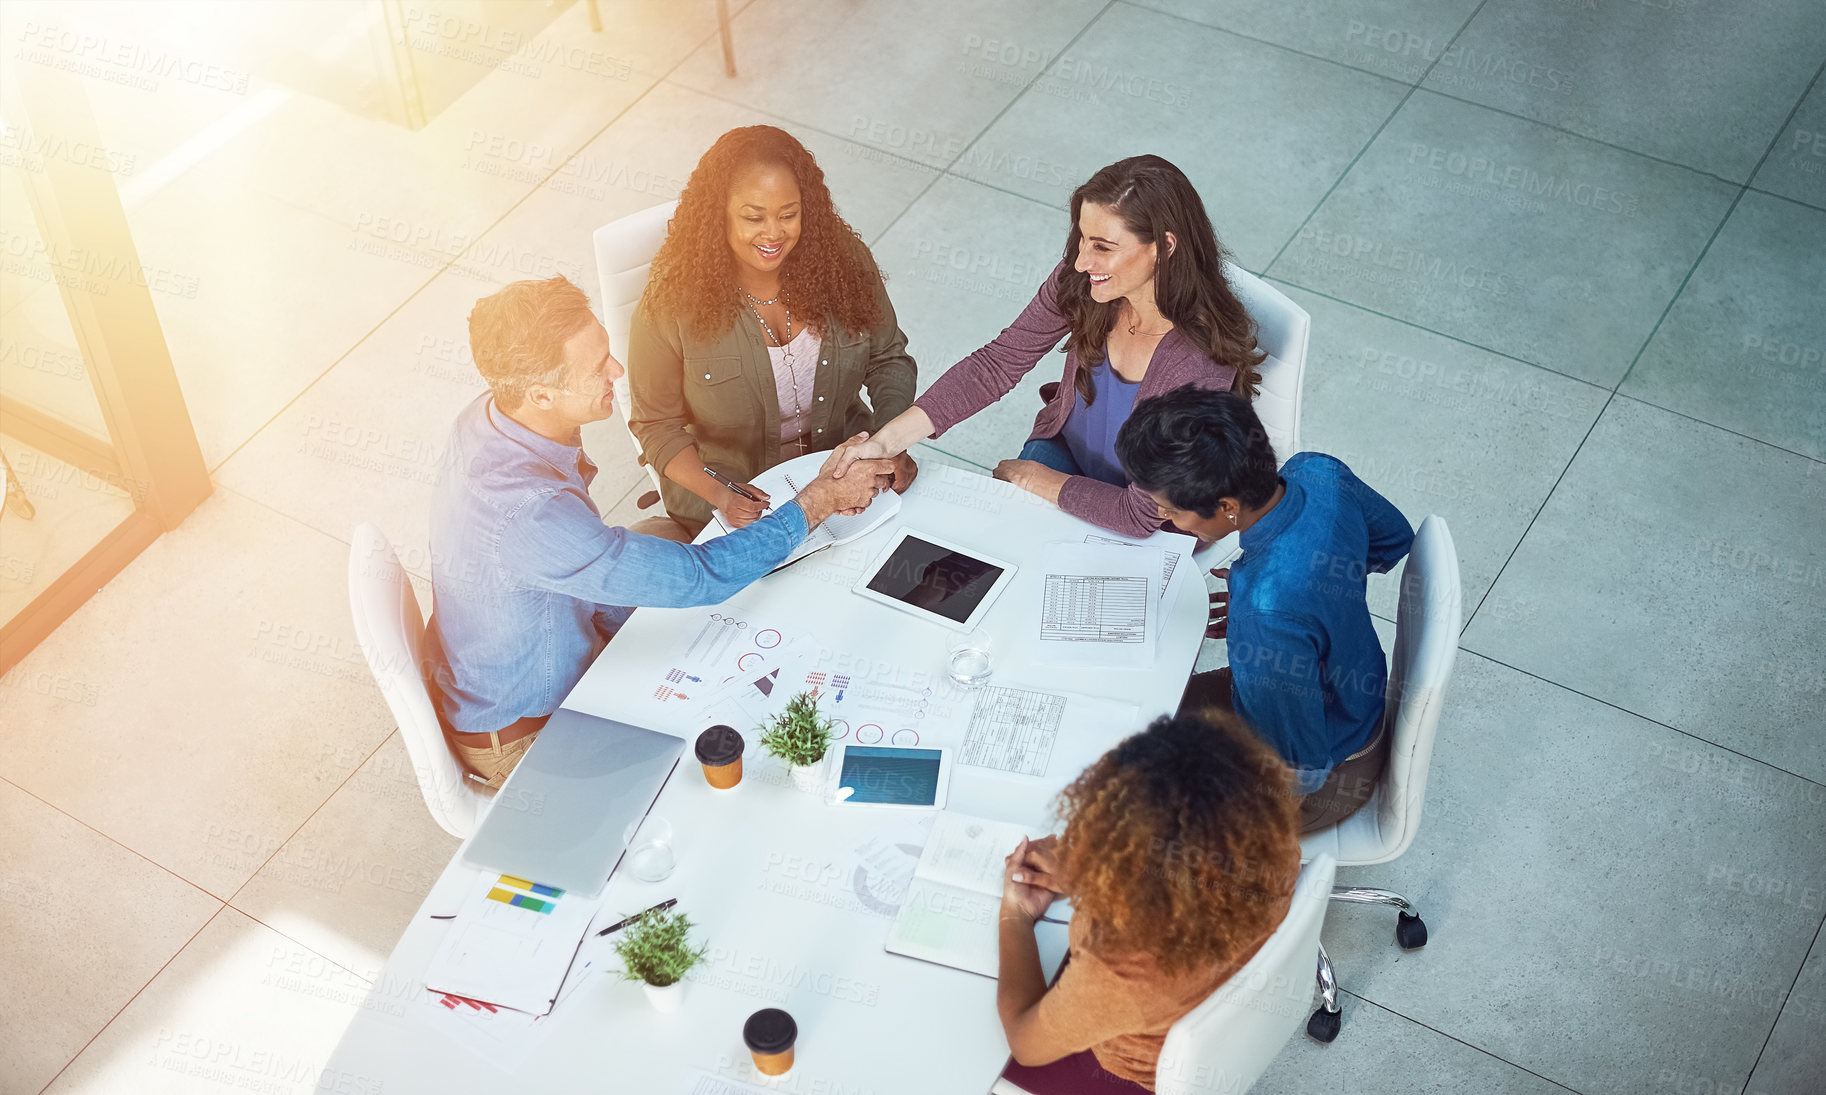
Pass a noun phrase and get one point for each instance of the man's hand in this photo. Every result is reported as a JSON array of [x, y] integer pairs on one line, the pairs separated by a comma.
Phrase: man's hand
[[1021, 897], [739, 511], [1032, 477], [1219, 624], [826, 494], [860, 447], [905, 471]]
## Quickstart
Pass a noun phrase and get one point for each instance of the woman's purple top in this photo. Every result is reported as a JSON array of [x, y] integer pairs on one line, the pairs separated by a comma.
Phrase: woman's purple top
[[992, 372]]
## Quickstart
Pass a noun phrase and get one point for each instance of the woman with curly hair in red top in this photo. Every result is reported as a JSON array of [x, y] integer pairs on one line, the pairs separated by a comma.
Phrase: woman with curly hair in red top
[[1179, 856], [763, 320]]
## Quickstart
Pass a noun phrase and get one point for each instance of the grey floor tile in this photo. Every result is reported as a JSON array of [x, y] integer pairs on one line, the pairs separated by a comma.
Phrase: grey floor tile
[[1744, 346], [86, 918], [916, 78], [1544, 246], [1589, 880], [1393, 38], [1794, 1061], [1680, 574], [207, 701], [1796, 167], [346, 885], [1700, 84], [1381, 1053], [1440, 427], [1261, 132], [961, 263]]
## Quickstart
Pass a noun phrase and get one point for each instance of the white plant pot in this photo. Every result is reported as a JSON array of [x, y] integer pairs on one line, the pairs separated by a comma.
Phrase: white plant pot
[[807, 777], [665, 999]]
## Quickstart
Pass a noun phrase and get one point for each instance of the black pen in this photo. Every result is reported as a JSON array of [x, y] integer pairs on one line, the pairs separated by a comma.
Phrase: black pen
[[620, 924], [730, 483]]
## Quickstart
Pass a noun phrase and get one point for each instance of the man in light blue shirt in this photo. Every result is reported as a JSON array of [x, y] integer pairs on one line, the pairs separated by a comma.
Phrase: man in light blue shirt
[[528, 583]]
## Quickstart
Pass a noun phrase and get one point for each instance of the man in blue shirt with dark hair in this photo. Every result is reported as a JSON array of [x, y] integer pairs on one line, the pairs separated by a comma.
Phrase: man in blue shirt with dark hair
[[1306, 669], [528, 583]]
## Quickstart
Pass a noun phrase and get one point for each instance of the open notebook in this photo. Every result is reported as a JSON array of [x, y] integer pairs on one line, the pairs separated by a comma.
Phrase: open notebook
[[951, 912], [783, 482]]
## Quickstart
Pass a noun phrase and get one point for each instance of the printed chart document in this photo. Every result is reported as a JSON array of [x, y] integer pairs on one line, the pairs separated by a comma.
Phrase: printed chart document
[[950, 914], [783, 482], [1013, 730], [1100, 604], [511, 944]]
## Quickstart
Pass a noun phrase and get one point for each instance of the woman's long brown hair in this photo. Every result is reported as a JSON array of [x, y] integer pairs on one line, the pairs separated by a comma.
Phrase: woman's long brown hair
[[1153, 197]]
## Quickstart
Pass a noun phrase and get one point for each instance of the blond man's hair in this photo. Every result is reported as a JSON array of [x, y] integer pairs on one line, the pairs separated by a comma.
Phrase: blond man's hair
[[517, 335]]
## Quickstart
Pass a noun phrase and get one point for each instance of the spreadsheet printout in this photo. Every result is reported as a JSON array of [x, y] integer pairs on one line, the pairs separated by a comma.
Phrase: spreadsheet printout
[[1013, 730], [1094, 608]]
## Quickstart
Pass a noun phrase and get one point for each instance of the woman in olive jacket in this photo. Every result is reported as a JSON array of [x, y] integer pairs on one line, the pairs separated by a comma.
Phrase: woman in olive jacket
[[764, 319]]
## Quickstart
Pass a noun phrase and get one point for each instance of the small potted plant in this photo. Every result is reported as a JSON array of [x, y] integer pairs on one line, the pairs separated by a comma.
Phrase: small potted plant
[[799, 736], [656, 951]]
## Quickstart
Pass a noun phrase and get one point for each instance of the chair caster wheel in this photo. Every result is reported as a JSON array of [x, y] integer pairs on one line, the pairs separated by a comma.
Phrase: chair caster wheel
[[1410, 932], [1323, 1026]]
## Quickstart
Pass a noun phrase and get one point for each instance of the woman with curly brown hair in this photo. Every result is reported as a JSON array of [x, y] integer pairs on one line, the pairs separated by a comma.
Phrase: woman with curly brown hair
[[1142, 302], [1179, 857], [763, 319]]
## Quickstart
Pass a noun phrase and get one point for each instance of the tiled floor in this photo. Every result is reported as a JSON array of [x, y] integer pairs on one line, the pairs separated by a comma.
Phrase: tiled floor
[[1564, 263]]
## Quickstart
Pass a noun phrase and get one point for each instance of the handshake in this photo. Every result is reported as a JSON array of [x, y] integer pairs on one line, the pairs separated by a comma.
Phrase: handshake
[[852, 477]]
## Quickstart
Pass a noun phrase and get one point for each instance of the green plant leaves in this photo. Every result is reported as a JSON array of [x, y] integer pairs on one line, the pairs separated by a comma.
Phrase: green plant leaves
[[798, 735], [656, 948]]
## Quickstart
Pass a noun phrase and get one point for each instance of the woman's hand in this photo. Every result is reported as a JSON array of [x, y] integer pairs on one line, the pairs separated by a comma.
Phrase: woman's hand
[[1219, 624], [905, 471], [1041, 866], [860, 447], [738, 510], [1020, 896], [1032, 477]]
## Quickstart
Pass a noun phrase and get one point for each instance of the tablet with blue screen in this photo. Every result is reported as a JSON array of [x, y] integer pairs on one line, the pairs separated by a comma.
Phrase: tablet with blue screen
[[880, 775]]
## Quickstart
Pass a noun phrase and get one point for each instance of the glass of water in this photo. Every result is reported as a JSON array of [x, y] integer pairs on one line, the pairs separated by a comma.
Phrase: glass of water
[[969, 656], [649, 853]]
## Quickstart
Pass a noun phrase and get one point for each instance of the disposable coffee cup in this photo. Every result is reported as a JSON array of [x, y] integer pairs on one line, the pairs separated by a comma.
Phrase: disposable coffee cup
[[719, 750], [770, 1034]]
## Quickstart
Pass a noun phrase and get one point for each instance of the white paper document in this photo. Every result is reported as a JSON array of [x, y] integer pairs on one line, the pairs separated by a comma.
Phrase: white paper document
[[1171, 558], [511, 944], [783, 482], [950, 914], [1013, 730], [1100, 604]]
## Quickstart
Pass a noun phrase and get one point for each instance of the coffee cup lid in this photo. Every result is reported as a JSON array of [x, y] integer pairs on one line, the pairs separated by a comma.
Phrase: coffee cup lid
[[719, 745], [770, 1030]]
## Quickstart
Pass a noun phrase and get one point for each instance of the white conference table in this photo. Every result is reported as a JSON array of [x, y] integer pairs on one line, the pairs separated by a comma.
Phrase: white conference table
[[768, 874]]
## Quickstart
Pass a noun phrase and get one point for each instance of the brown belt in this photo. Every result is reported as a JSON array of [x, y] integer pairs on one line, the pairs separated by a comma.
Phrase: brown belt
[[525, 727]]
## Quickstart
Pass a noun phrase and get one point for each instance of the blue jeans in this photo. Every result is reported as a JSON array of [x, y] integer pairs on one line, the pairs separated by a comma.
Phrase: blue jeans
[[1051, 452]]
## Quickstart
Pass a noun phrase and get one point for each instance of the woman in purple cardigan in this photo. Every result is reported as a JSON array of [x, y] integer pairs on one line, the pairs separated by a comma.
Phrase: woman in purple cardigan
[[1141, 300]]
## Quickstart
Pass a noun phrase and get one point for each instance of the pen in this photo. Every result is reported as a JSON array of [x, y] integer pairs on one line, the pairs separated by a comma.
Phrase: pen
[[730, 483], [620, 924]]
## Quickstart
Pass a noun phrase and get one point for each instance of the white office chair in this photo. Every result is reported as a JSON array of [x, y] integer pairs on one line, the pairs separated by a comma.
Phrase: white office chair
[[392, 633], [1426, 645], [624, 254], [1231, 1037], [1283, 329]]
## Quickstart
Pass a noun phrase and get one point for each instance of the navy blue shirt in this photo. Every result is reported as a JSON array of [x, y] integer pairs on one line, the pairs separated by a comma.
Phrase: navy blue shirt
[[1305, 665], [1090, 432]]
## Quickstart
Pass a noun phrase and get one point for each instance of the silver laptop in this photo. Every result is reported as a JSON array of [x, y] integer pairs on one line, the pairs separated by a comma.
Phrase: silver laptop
[[560, 818]]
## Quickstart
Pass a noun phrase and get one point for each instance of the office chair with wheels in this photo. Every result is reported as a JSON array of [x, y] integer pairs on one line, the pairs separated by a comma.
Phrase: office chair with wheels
[[1426, 645], [624, 254], [1231, 1037], [391, 633]]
